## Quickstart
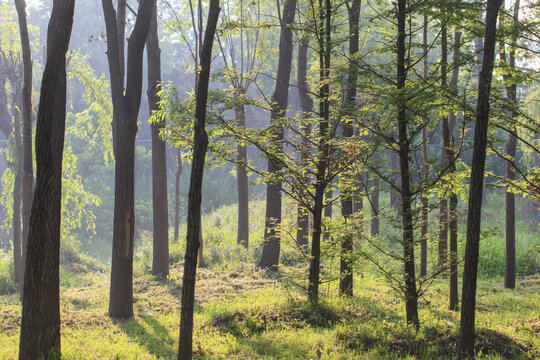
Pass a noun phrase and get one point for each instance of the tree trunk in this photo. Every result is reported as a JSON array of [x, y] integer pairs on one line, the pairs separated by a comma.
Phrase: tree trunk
[[126, 109], [411, 295], [424, 217], [395, 197], [242, 178], [40, 324], [302, 232], [453, 203], [160, 213], [28, 179], [177, 176], [345, 270], [270, 251], [466, 335], [17, 188], [511, 147], [375, 221], [324, 32], [443, 205], [200, 141]]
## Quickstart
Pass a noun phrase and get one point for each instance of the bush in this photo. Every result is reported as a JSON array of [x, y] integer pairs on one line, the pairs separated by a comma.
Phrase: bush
[[8, 285]]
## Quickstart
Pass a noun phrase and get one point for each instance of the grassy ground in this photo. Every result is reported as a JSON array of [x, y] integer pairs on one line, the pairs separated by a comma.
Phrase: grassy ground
[[246, 314]]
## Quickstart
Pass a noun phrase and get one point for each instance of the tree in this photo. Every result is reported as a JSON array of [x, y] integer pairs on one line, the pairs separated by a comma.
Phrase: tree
[[511, 147], [270, 251], [160, 213], [40, 324], [466, 334], [125, 110], [200, 143], [346, 271], [28, 167]]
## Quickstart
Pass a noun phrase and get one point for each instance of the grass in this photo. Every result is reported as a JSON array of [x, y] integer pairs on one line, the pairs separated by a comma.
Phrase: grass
[[244, 313]]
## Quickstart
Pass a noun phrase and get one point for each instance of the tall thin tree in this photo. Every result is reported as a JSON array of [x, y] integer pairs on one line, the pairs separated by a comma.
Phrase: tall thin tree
[[200, 144], [160, 213], [40, 324], [270, 251], [467, 333], [125, 111]]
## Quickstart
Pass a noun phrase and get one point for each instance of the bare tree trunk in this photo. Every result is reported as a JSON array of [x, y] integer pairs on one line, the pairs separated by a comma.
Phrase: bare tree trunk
[[375, 220], [511, 147], [345, 270], [40, 324], [200, 140], [242, 178], [467, 334], [160, 213], [28, 179], [424, 217], [411, 295], [126, 109], [270, 251], [453, 203], [443, 205], [17, 188], [178, 174], [306, 101]]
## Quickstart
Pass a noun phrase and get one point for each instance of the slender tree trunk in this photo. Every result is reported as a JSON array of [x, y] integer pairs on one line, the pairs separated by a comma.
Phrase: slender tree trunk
[[270, 251], [325, 12], [511, 147], [395, 197], [40, 324], [467, 334], [424, 217], [302, 232], [411, 295], [178, 174], [160, 213], [126, 109], [242, 178], [28, 179], [443, 205], [17, 189], [346, 271], [453, 203], [200, 141], [375, 220]]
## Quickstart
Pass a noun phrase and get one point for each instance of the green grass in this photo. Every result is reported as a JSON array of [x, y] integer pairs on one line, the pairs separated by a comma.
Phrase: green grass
[[244, 313], [248, 314]]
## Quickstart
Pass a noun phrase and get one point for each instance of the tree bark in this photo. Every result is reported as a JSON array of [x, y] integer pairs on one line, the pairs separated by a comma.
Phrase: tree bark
[[160, 213], [511, 147], [424, 217], [443, 205], [270, 251], [242, 178], [345, 270], [126, 109], [453, 202], [40, 324], [177, 176], [28, 166], [324, 33], [302, 232], [411, 295], [200, 140], [467, 334], [375, 220], [17, 192]]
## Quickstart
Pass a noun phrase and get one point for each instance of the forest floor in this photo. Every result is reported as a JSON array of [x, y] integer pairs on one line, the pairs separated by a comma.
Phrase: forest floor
[[247, 314]]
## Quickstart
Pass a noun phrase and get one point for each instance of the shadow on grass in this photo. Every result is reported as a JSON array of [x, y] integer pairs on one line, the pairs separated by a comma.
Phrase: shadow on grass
[[157, 341]]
